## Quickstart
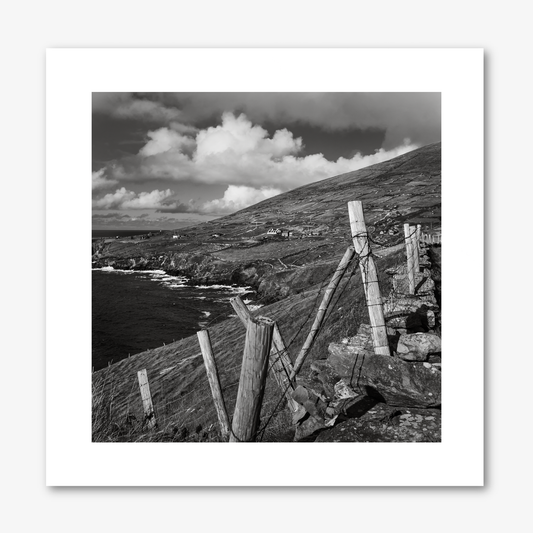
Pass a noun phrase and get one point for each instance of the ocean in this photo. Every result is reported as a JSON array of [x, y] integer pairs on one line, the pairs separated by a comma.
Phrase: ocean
[[133, 311], [111, 233]]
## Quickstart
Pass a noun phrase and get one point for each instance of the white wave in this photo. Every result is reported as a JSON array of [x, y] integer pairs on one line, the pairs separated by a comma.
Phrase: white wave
[[228, 288], [115, 270], [206, 313]]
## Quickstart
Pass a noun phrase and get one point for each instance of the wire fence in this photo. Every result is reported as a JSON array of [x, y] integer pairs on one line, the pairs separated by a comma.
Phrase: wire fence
[[186, 413]]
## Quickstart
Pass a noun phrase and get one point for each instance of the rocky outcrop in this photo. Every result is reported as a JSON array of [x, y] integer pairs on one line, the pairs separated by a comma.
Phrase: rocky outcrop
[[271, 281], [343, 356], [417, 346], [397, 382]]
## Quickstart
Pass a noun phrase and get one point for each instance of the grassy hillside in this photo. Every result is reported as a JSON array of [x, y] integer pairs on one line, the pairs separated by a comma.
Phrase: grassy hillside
[[178, 381], [291, 276], [406, 188]]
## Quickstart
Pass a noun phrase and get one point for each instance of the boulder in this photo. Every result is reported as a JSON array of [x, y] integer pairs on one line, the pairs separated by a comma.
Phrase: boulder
[[343, 391], [421, 320], [312, 403], [343, 355], [324, 373], [417, 346], [389, 379], [405, 306], [307, 428], [385, 424]]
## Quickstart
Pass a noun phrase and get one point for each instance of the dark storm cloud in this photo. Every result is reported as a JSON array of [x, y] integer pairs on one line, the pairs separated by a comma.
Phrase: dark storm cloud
[[402, 115]]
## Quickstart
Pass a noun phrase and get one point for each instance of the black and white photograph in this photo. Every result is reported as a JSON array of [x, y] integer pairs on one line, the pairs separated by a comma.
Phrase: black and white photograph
[[266, 267]]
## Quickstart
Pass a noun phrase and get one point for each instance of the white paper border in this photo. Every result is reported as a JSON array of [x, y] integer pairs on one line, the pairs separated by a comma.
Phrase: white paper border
[[71, 76]]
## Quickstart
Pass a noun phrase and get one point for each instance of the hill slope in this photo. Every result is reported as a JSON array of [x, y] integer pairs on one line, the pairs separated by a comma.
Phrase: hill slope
[[407, 187], [295, 272]]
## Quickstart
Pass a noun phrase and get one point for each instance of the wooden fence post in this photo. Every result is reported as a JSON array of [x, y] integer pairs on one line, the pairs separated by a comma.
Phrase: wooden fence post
[[369, 275], [326, 300], [252, 381], [148, 407], [279, 358], [416, 248], [214, 382], [410, 261]]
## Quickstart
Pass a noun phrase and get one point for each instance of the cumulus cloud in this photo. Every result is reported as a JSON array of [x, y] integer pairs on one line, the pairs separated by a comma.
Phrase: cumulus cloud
[[238, 136], [100, 181], [236, 198], [124, 199], [163, 140], [237, 152]]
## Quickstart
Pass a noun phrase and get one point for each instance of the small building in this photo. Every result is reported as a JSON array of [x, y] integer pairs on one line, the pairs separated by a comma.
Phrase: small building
[[274, 231], [216, 235]]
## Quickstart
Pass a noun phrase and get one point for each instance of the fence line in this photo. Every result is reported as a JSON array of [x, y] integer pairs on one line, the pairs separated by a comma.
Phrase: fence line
[[280, 362], [252, 381], [326, 300], [214, 382], [370, 278], [148, 406], [268, 345]]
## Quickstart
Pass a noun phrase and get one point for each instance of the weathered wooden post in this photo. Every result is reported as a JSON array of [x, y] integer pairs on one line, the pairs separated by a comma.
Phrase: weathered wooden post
[[148, 407], [326, 299], [279, 358], [252, 381], [369, 275], [410, 261], [214, 382], [416, 248]]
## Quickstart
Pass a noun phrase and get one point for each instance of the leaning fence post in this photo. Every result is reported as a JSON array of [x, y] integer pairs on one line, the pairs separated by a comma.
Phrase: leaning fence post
[[214, 382], [281, 363], [369, 275], [148, 407], [252, 381], [416, 248], [326, 299], [410, 261]]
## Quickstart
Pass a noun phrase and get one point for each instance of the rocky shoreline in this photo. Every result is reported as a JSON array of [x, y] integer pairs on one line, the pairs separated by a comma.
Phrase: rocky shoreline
[[270, 282]]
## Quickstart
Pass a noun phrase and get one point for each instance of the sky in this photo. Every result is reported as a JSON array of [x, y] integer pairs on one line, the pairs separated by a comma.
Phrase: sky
[[168, 160]]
